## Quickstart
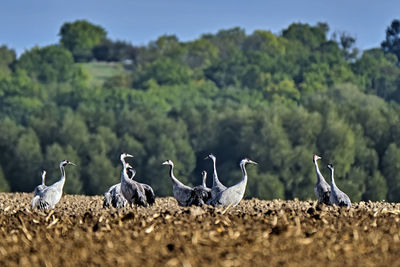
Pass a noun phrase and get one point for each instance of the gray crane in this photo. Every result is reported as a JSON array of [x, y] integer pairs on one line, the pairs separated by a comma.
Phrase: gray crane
[[234, 194], [337, 197], [322, 189], [42, 186], [51, 195], [131, 190], [217, 186], [113, 196], [148, 191], [185, 195], [202, 192]]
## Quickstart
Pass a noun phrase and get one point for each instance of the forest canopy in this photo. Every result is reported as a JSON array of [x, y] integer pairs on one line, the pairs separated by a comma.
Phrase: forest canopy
[[275, 98]]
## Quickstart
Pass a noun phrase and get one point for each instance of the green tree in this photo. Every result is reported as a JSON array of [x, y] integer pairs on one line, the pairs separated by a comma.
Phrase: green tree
[[227, 41], [73, 131], [310, 36], [100, 174], [80, 37], [7, 59], [376, 188], [266, 42], [379, 74], [201, 53], [391, 171], [264, 185], [164, 71], [20, 96], [28, 156], [392, 42], [347, 45], [48, 64]]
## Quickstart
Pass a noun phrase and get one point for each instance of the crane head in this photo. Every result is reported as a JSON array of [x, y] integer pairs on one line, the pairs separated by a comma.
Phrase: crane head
[[204, 173], [315, 158], [168, 162], [211, 156], [66, 162], [125, 155], [43, 174], [246, 160], [330, 166]]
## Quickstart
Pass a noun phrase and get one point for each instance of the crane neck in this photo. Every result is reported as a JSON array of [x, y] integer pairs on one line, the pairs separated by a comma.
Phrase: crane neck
[[204, 180], [63, 175], [332, 178], [43, 180], [244, 173], [124, 173], [123, 161], [133, 173], [172, 176], [319, 175], [215, 175]]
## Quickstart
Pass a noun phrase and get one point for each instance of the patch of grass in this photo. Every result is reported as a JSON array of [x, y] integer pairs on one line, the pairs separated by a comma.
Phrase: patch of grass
[[101, 71]]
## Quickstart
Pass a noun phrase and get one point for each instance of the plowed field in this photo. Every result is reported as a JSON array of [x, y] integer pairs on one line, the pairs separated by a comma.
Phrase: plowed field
[[255, 233]]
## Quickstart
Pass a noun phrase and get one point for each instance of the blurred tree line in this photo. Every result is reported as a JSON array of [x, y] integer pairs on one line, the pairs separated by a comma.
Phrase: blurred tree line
[[275, 98]]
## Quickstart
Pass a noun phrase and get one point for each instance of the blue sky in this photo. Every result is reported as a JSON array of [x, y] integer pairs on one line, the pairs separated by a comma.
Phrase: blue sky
[[26, 23]]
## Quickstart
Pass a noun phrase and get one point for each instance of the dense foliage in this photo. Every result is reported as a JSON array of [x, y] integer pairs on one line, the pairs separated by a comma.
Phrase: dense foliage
[[275, 98]]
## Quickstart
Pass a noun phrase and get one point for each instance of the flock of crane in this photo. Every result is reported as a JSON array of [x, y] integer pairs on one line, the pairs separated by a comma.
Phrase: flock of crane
[[131, 192]]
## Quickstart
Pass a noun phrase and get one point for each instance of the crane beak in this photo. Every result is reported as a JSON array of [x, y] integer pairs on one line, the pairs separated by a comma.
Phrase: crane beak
[[207, 157], [165, 163], [253, 162], [129, 156]]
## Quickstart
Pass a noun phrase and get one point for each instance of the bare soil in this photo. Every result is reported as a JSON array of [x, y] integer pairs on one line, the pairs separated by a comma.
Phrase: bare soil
[[255, 233]]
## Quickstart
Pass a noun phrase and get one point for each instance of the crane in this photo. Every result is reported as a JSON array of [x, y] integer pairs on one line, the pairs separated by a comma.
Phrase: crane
[[148, 191], [50, 196], [217, 186], [202, 192], [234, 194], [42, 186], [204, 184], [337, 197], [185, 195], [113, 196], [322, 189], [131, 190]]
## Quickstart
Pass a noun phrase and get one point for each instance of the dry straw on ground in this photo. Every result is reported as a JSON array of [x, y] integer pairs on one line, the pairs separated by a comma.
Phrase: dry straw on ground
[[255, 233]]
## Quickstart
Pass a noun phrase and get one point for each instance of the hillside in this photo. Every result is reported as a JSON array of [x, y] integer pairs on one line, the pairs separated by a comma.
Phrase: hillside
[[277, 99]]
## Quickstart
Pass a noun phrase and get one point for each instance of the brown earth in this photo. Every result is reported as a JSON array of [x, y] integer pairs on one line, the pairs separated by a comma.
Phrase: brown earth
[[255, 233]]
